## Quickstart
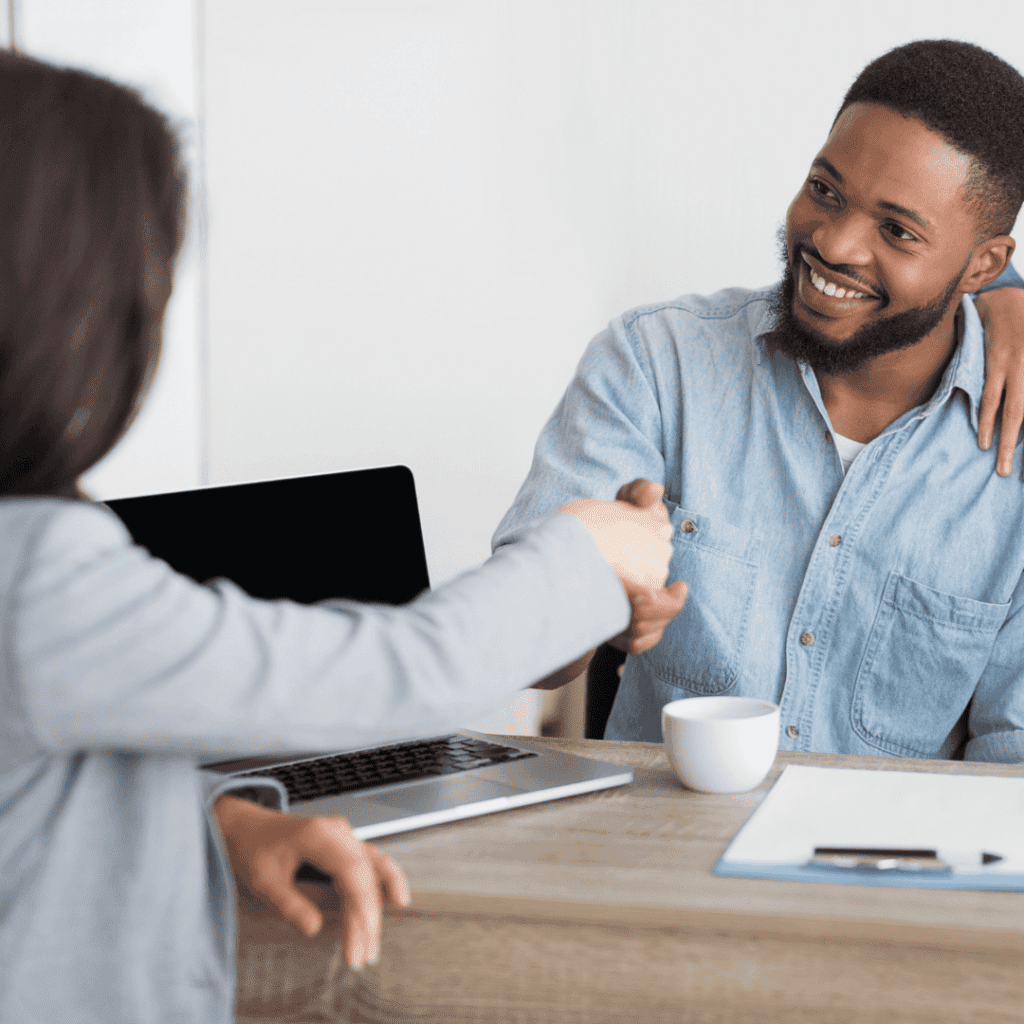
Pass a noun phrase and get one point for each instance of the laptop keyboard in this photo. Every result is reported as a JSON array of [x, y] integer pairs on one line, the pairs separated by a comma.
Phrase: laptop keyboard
[[401, 762]]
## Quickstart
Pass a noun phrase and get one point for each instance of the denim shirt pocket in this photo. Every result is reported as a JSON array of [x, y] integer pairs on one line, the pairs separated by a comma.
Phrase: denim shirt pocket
[[924, 657], [702, 650]]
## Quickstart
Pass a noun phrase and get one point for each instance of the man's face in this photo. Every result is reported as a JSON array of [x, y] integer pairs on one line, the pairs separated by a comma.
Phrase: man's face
[[876, 241]]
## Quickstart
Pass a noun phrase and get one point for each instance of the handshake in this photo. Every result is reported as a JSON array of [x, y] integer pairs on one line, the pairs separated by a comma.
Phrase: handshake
[[266, 847], [635, 536]]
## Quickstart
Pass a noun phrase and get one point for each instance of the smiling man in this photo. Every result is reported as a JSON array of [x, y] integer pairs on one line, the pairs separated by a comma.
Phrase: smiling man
[[849, 551]]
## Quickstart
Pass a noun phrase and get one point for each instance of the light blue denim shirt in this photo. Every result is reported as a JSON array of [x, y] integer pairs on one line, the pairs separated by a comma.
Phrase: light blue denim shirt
[[881, 609]]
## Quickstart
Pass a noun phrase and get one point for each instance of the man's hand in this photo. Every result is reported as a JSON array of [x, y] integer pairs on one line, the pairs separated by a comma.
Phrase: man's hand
[[639, 547], [266, 847], [1002, 315], [652, 611]]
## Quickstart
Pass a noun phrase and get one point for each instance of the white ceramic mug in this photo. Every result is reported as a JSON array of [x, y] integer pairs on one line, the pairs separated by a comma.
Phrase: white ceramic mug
[[721, 744]]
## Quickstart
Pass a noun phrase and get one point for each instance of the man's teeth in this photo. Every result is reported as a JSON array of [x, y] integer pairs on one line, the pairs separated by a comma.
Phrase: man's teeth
[[830, 289]]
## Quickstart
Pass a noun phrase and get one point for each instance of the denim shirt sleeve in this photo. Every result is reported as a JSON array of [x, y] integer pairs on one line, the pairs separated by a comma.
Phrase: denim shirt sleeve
[[606, 431], [996, 716], [997, 711], [1009, 278]]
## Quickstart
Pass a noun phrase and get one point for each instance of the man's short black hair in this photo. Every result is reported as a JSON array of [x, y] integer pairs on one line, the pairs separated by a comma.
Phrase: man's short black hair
[[970, 97]]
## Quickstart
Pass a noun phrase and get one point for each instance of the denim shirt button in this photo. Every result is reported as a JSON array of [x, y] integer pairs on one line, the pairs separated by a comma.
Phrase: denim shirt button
[[828, 436], [835, 540], [807, 638], [793, 732], [687, 526]]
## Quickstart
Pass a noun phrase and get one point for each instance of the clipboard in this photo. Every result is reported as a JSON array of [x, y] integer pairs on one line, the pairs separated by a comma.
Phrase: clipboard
[[855, 826]]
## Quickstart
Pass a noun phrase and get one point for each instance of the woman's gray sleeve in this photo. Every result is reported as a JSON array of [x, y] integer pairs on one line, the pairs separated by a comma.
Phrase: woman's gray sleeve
[[115, 650]]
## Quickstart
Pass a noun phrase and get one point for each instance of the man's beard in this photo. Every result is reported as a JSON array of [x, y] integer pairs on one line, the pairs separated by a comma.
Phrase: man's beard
[[888, 334]]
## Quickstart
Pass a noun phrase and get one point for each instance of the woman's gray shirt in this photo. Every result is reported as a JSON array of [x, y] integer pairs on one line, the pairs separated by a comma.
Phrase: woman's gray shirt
[[119, 676]]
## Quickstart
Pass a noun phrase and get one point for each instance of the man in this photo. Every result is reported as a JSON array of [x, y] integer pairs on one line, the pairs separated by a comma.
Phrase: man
[[849, 552]]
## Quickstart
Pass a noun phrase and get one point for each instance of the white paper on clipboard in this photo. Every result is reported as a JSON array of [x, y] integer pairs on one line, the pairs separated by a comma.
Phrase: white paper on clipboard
[[846, 807]]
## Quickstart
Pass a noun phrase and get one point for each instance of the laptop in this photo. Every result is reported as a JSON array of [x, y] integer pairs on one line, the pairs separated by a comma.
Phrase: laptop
[[316, 537]]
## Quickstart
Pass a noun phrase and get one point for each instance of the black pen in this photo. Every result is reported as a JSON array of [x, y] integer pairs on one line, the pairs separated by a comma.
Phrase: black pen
[[875, 858]]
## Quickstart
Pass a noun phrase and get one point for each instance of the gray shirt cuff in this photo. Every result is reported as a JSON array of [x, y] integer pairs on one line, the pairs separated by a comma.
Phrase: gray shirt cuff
[[259, 789]]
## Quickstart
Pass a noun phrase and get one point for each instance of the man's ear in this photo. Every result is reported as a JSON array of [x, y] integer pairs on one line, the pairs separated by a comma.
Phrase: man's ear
[[989, 260]]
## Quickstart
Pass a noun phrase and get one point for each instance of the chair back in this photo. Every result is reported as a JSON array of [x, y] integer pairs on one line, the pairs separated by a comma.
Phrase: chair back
[[602, 685]]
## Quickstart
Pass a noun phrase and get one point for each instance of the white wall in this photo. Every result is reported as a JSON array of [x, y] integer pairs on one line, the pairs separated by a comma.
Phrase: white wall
[[421, 211], [148, 44]]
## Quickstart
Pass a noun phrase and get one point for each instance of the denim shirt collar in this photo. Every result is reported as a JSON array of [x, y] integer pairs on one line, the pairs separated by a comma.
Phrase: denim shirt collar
[[966, 369]]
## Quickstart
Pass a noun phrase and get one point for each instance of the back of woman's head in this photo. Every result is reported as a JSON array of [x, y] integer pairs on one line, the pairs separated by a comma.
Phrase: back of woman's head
[[92, 216]]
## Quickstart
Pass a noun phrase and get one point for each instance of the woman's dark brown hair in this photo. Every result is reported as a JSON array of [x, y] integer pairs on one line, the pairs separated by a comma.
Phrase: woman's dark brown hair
[[92, 217]]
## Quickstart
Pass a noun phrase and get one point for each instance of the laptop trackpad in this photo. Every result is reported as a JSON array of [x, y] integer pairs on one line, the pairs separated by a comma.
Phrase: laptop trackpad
[[438, 795]]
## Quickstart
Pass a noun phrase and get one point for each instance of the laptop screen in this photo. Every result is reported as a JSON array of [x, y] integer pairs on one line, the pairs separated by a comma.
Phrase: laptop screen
[[335, 535]]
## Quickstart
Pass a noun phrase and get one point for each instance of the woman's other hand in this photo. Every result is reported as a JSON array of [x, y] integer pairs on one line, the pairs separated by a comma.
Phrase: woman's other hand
[[266, 848], [1002, 315]]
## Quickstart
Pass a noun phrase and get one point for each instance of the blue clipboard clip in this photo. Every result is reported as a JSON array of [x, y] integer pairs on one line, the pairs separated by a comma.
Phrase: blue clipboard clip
[[889, 860]]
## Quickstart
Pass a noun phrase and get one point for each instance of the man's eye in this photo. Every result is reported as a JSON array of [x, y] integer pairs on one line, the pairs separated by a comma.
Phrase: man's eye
[[900, 233], [820, 188]]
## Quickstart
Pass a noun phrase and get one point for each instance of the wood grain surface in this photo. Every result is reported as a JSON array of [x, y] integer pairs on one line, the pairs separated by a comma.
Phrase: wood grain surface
[[604, 908]]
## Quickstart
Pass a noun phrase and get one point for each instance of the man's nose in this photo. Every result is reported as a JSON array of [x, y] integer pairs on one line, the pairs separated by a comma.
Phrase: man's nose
[[844, 238]]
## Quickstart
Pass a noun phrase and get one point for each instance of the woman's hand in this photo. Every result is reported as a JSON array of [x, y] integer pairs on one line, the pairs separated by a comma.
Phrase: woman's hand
[[1002, 315], [633, 533], [651, 610], [266, 847]]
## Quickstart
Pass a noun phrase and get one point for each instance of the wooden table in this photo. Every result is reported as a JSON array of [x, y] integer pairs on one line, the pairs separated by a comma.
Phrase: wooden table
[[604, 908]]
